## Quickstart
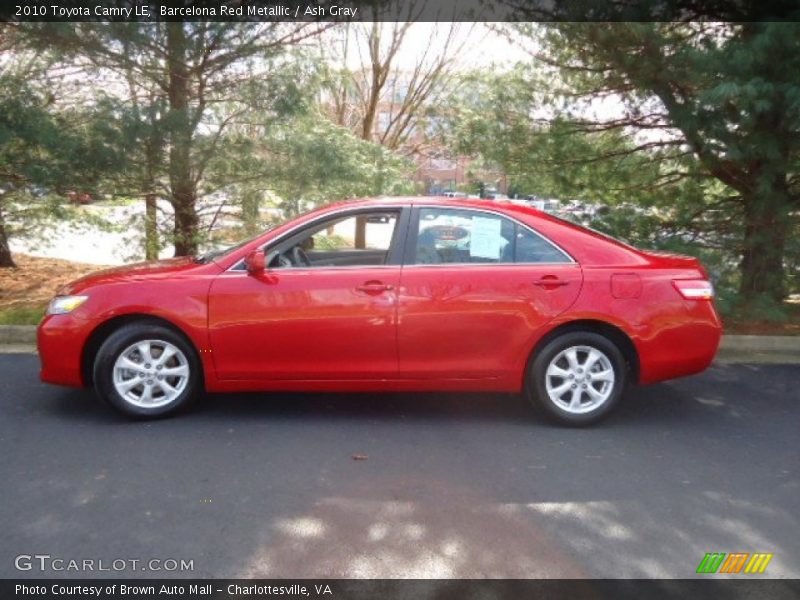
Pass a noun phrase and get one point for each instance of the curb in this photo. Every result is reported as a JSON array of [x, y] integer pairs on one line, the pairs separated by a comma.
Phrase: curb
[[761, 344], [17, 334]]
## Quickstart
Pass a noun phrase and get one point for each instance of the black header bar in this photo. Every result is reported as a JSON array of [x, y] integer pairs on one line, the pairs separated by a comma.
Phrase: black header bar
[[399, 10]]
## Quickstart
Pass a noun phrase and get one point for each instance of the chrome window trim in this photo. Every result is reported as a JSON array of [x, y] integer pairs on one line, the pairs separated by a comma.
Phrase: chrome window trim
[[497, 264], [346, 211], [327, 268]]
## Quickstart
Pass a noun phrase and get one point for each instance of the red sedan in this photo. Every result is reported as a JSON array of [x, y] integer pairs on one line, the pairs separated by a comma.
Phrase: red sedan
[[395, 294]]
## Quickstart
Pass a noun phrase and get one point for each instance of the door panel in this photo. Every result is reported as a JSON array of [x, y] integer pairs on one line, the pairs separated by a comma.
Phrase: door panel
[[476, 321], [305, 324], [345, 258]]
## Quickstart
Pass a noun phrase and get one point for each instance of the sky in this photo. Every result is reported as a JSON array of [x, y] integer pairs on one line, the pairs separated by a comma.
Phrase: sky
[[479, 44]]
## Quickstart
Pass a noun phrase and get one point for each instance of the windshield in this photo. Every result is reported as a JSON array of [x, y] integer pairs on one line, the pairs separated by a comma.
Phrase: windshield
[[219, 252]]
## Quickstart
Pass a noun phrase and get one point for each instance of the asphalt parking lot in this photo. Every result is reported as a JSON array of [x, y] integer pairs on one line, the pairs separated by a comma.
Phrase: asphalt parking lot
[[442, 485]]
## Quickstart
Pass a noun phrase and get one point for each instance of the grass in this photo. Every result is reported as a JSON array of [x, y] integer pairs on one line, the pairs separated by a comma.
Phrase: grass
[[22, 315], [743, 322], [26, 290]]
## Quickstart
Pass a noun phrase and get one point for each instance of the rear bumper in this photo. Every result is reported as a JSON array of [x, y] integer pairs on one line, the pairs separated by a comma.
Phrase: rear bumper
[[683, 348], [60, 341]]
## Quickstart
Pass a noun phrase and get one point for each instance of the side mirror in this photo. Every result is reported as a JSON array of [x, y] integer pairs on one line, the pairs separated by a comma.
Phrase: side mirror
[[256, 262]]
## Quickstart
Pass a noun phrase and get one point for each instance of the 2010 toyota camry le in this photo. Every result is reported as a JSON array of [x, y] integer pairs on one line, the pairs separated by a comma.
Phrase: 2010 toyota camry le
[[391, 294]]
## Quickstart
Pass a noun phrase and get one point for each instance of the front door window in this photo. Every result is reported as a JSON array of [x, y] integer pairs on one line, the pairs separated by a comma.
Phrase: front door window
[[362, 239]]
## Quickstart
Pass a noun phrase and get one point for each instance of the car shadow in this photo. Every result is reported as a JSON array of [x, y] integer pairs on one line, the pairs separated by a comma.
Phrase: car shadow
[[367, 406], [659, 404]]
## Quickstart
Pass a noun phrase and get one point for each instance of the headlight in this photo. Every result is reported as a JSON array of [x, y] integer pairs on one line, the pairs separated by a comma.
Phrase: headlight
[[61, 305]]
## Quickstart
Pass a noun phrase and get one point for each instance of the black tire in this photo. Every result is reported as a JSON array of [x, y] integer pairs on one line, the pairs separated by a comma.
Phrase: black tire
[[122, 339], [536, 389]]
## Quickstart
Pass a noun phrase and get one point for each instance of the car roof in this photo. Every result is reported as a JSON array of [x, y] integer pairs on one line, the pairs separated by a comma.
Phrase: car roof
[[443, 200], [502, 205]]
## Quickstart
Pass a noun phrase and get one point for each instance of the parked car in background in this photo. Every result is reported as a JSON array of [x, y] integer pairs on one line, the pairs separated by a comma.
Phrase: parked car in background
[[396, 294], [82, 198], [546, 204]]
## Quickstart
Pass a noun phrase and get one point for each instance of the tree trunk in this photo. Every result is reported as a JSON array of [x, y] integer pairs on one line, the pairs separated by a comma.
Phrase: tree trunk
[[154, 149], [376, 85], [361, 233], [6, 261], [251, 204], [150, 227], [184, 195], [765, 229]]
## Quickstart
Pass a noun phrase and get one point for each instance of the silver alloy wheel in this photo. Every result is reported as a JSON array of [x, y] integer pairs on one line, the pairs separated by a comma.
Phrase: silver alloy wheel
[[579, 379], [151, 373]]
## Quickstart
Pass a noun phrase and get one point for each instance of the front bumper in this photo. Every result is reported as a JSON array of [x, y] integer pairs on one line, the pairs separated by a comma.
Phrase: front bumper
[[60, 340]]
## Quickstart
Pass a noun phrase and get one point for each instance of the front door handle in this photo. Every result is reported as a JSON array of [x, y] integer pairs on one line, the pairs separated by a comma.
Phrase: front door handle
[[374, 287], [550, 282]]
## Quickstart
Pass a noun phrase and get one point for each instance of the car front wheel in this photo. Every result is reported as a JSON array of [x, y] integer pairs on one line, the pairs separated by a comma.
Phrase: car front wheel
[[146, 370], [577, 378]]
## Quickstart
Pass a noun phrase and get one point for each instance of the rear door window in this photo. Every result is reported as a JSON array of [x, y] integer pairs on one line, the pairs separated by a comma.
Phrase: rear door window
[[463, 236]]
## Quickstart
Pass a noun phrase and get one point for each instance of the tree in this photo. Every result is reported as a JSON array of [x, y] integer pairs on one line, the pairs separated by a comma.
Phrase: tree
[[648, 193], [136, 131], [304, 160], [282, 152], [725, 95], [45, 151], [379, 99], [195, 66], [314, 161]]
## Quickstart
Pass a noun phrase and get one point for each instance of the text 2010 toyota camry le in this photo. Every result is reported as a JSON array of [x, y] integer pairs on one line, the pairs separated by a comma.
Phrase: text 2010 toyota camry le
[[390, 294]]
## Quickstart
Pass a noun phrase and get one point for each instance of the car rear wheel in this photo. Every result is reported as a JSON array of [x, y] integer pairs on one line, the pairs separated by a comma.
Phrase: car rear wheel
[[146, 370], [577, 378]]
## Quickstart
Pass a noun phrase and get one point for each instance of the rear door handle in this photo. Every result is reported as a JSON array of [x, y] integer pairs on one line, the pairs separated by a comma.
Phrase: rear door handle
[[550, 282], [374, 287]]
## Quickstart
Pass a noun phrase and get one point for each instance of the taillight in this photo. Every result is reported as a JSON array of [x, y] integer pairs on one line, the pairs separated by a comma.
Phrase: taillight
[[694, 289]]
